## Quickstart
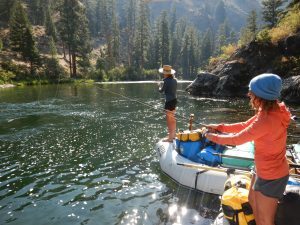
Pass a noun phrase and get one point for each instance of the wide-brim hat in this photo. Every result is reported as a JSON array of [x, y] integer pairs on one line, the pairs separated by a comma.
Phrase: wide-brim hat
[[166, 69]]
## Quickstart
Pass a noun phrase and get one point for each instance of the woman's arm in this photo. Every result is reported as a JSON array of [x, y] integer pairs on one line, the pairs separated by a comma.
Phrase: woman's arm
[[254, 130], [235, 127], [161, 87]]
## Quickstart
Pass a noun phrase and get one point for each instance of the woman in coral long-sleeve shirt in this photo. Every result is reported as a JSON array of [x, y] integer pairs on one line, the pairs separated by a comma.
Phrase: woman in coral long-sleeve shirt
[[268, 129]]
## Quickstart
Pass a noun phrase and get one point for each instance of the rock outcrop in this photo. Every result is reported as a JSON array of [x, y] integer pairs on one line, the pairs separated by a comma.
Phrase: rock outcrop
[[291, 89], [231, 78]]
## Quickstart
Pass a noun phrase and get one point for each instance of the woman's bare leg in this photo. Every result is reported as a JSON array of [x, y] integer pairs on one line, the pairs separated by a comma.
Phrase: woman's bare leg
[[252, 200], [171, 124], [266, 209]]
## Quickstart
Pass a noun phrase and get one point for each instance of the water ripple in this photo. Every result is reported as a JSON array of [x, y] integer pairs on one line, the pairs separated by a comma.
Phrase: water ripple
[[79, 154]]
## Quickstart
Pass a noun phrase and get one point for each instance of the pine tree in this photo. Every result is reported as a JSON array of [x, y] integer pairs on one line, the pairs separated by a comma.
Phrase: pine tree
[[154, 52], [222, 37], [52, 69], [207, 46], [185, 57], [246, 36], [252, 23], [67, 28], [271, 10], [232, 37], [30, 52], [220, 13], [177, 42], [52, 47], [173, 19], [164, 39], [142, 34], [190, 53], [175, 50], [110, 32], [248, 33], [74, 33], [50, 27], [90, 14], [107, 32], [130, 10], [98, 18], [82, 46], [193, 56], [18, 25], [115, 36], [5, 9], [38, 11]]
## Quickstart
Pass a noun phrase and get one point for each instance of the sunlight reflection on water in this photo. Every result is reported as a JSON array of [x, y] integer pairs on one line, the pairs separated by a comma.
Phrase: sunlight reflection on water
[[84, 156]]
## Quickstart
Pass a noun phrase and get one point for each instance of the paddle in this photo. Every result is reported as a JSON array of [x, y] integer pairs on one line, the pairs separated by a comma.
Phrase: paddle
[[241, 171], [292, 165], [244, 171]]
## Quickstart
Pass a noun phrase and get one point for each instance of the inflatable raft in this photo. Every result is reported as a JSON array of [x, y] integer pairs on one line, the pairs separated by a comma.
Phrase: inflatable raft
[[208, 169]]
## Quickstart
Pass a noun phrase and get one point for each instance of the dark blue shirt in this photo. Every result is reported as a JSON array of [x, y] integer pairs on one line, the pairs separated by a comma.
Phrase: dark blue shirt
[[169, 88]]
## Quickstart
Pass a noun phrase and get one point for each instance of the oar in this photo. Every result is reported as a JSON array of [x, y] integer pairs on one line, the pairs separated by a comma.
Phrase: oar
[[292, 165], [218, 169], [241, 171]]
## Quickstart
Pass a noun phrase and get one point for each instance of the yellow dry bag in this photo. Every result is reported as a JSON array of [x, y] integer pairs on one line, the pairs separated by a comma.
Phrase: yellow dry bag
[[235, 204], [187, 135]]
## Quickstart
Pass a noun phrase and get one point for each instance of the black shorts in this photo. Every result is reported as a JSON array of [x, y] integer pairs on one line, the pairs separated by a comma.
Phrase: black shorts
[[171, 105], [271, 188]]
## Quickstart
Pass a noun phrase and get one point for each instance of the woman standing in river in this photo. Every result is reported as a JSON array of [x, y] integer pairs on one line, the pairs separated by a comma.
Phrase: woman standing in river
[[169, 87]]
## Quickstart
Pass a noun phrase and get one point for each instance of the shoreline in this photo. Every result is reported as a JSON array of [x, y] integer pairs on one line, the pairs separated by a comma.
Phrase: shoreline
[[7, 85], [140, 82]]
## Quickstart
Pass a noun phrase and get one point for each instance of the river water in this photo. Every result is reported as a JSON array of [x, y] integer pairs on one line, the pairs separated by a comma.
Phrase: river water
[[85, 155]]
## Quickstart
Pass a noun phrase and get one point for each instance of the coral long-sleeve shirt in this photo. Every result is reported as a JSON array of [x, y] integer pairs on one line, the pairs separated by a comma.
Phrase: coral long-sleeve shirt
[[268, 130]]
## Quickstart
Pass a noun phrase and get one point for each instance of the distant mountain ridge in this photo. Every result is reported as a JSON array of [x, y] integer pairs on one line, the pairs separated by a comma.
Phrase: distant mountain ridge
[[201, 12]]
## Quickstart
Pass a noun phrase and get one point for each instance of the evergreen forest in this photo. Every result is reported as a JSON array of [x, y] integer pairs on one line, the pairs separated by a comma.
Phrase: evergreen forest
[[117, 40]]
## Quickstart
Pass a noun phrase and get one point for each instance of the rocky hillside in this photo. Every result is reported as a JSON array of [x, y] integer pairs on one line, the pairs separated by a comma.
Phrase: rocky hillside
[[231, 77]]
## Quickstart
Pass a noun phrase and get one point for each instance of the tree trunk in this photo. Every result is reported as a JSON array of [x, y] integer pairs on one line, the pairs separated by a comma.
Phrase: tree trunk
[[64, 50], [31, 68], [74, 64], [142, 53], [70, 62]]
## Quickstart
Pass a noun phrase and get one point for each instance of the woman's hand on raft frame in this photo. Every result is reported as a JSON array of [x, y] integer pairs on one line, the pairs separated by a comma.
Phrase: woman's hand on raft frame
[[211, 128]]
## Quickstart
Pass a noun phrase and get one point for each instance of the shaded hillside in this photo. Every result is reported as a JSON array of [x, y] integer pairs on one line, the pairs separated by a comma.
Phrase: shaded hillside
[[202, 13]]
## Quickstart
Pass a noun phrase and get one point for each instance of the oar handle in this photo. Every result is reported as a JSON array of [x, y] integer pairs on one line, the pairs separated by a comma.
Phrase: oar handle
[[191, 121]]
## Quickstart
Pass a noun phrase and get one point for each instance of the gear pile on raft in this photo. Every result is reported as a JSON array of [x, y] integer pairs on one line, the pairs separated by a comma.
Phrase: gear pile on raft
[[197, 163]]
